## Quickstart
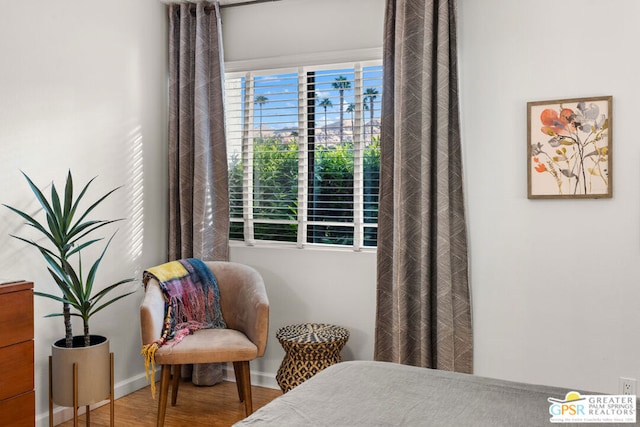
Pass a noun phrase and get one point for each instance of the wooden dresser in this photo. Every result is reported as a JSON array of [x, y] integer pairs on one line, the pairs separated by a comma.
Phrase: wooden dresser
[[17, 395]]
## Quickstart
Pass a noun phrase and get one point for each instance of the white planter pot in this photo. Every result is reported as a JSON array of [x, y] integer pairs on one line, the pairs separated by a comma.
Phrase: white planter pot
[[94, 371]]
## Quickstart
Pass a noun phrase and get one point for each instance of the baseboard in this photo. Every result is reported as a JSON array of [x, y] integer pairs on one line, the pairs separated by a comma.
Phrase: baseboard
[[122, 388], [261, 379]]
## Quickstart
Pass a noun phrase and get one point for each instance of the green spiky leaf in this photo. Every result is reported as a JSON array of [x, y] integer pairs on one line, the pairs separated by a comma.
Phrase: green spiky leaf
[[68, 231]]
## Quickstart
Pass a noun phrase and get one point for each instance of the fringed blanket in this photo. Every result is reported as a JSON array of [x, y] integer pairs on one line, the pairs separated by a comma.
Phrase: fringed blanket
[[192, 302]]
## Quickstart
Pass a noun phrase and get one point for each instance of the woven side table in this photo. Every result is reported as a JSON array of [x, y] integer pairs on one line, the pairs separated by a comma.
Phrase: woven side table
[[309, 348]]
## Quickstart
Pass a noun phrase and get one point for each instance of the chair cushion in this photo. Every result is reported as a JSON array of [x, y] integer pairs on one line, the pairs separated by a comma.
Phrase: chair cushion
[[207, 346]]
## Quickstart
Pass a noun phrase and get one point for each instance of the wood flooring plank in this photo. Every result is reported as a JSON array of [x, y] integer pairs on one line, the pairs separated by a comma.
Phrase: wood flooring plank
[[216, 406]]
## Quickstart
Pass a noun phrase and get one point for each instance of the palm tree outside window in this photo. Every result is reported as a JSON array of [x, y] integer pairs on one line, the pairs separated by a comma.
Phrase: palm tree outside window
[[370, 97], [260, 100], [341, 84]]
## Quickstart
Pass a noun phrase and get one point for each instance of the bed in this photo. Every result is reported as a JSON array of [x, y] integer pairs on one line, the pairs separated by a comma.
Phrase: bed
[[369, 394]]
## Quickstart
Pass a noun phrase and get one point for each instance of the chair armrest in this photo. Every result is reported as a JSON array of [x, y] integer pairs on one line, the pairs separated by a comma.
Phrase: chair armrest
[[152, 313], [244, 301]]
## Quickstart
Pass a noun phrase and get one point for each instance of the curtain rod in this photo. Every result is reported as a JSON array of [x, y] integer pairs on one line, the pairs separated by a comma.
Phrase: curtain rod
[[247, 3], [223, 6]]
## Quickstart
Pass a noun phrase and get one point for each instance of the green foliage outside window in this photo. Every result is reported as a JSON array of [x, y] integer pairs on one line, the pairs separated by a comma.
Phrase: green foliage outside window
[[275, 189]]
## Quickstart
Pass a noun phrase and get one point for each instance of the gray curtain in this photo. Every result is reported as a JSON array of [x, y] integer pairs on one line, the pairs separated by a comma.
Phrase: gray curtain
[[423, 308], [198, 181]]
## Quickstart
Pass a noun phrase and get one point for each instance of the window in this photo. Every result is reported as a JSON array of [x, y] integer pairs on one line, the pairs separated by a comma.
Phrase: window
[[304, 155]]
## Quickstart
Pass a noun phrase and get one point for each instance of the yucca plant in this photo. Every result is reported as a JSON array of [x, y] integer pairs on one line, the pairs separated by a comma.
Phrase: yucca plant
[[69, 231]]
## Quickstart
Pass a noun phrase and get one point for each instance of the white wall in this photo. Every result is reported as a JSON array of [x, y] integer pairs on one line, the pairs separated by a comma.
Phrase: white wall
[[314, 285], [83, 87], [301, 32], [555, 294]]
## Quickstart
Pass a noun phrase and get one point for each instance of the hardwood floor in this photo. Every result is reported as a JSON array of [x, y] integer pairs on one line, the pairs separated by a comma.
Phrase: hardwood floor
[[216, 406]]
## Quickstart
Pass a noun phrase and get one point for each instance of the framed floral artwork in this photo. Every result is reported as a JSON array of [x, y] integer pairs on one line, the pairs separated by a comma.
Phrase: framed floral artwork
[[569, 148]]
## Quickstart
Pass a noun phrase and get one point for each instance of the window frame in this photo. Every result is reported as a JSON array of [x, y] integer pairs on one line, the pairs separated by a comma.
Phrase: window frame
[[248, 134]]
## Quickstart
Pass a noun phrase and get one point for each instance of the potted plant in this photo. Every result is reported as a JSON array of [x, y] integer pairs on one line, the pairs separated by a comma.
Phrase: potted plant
[[67, 232]]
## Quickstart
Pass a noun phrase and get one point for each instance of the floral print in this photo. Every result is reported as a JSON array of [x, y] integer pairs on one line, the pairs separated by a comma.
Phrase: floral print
[[571, 148]]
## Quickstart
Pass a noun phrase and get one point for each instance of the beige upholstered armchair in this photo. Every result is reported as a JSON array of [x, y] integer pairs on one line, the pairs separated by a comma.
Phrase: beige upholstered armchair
[[245, 308]]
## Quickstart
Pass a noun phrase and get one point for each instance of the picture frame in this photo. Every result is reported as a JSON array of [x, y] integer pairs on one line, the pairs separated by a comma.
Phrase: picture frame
[[569, 148]]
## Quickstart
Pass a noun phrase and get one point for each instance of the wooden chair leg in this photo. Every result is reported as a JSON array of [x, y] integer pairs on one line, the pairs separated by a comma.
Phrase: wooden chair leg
[[175, 384], [237, 369], [164, 390], [243, 380]]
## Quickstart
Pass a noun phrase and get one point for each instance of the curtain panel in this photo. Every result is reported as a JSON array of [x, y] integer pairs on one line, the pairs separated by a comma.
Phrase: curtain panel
[[198, 181], [423, 313]]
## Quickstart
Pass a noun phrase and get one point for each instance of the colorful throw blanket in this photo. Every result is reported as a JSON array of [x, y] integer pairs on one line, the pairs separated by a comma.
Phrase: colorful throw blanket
[[192, 302]]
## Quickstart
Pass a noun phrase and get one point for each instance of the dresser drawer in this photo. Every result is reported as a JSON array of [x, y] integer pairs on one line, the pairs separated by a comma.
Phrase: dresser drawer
[[16, 314], [16, 369], [18, 411]]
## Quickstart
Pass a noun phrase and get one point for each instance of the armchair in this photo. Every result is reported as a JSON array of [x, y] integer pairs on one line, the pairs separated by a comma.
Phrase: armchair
[[245, 308]]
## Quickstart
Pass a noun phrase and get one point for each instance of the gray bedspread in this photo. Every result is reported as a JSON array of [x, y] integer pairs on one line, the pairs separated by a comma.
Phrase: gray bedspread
[[372, 394]]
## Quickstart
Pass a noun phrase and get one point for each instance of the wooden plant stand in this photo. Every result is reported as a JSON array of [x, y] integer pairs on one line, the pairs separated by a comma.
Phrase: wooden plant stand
[[75, 396]]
